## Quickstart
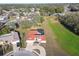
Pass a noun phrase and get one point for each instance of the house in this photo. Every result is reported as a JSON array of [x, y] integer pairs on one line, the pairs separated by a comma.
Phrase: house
[[36, 34], [3, 19], [13, 15], [71, 8], [12, 38], [56, 14]]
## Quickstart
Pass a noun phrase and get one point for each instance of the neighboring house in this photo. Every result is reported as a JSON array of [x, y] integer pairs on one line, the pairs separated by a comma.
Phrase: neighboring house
[[3, 19], [37, 11], [13, 15], [56, 14], [11, 37], [71, 8], [32, 9]]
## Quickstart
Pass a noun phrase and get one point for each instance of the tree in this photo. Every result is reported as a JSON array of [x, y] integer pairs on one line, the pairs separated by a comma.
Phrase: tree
[[22, 40], [4, 30], [59, 9], [25, 24], [71, 21]]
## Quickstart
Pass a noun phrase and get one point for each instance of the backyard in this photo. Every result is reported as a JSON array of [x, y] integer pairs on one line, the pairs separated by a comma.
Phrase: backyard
[[68, 41]]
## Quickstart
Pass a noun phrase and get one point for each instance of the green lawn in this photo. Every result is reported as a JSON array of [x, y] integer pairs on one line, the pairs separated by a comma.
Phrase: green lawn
[[67, 40]]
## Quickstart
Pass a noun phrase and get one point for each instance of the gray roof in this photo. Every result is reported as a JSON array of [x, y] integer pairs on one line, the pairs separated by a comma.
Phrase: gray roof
[[23, 53]]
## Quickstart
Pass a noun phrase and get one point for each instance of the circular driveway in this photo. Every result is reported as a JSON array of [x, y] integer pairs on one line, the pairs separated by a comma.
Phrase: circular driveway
[[38, 47]]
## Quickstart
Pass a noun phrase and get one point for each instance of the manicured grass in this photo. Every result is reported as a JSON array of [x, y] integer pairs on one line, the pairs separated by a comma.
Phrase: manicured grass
[[66, 39]]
